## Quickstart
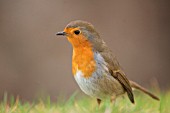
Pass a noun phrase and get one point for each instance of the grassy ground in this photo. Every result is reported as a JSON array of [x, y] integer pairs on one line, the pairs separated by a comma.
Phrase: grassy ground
[[85, 104]]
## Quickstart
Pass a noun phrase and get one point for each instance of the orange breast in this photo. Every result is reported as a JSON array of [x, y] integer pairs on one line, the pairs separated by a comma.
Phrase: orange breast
[[83, 58]]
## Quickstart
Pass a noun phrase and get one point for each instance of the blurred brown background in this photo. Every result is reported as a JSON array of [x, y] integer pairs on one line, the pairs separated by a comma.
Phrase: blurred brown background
[[33, 61]]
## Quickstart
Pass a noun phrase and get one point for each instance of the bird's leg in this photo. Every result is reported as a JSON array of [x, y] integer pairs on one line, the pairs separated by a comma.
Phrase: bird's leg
[[110, 105], [99, 101], [113, 99]]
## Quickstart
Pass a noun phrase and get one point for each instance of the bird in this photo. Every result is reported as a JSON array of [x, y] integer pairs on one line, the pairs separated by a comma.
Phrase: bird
[[95, 69]]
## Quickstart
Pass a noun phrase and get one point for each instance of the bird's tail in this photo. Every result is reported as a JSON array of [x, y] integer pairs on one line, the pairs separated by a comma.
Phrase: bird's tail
[[137, 86]]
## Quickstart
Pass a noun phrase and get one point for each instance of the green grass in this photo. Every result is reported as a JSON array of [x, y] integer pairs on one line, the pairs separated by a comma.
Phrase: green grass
[[84, 104]]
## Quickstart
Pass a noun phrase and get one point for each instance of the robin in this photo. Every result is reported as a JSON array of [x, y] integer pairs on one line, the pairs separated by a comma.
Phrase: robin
[[95, 69]]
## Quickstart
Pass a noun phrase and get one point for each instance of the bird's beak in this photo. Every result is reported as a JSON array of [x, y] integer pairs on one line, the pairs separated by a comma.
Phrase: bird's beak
[[61, 33]]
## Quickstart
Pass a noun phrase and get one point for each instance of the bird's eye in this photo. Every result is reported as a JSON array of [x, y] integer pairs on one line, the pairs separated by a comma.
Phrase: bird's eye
[[77, 32]]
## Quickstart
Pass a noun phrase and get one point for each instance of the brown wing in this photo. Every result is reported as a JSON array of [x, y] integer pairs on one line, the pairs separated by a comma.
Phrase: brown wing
[[120, 76], [117, 73]]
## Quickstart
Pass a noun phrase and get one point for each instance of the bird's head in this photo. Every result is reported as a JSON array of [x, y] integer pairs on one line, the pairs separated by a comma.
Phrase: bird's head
[[81, 33]]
